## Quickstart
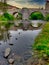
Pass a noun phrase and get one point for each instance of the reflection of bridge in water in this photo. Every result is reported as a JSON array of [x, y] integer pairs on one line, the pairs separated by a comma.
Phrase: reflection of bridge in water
[[29, 25]]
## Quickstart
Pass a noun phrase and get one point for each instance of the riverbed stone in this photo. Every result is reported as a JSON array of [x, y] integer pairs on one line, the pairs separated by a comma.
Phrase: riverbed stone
[[11, 44], [0, 43], [11, 61], [16, 38], [7, 52], [19, 33]]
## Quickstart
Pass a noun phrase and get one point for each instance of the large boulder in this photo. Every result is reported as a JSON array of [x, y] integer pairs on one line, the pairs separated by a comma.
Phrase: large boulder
[[7, 52]]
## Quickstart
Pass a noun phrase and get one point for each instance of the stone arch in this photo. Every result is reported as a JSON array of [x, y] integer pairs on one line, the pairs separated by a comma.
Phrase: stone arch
[[15, 14], [35, 12]]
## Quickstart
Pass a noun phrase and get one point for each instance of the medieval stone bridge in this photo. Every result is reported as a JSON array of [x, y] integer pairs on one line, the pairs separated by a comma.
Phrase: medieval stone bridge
[[27, 11]]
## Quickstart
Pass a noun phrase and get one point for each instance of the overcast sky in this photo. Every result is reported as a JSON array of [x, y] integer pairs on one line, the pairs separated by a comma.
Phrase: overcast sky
[[27, 3]]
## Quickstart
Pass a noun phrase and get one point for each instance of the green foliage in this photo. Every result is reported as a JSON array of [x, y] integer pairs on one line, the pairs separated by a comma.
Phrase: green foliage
[[2, 18], [36, 16], [47, 17], [5, 20], [8, 16], [42, 41]]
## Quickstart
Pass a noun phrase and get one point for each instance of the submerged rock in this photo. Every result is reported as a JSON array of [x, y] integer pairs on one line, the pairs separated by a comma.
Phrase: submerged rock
[[11, 61], [16, 38], [19, 33], [0, 43], [7, 52], [11, 44]]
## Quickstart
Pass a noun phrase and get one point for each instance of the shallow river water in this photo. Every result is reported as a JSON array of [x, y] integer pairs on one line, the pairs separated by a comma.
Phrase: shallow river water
[[22, 42]]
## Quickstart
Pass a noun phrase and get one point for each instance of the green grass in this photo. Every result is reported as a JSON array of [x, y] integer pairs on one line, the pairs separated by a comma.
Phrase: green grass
[[41, 44]]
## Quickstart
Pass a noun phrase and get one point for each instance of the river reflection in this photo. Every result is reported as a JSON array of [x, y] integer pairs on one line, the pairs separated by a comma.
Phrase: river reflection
[[21, 40]]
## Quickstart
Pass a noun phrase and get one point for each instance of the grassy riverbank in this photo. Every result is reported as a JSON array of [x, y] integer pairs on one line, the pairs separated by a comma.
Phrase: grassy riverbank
[[41, 45]]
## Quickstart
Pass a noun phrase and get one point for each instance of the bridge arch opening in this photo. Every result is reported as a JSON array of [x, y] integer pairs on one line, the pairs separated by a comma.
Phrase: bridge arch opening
[[36, 15], [17, 15]]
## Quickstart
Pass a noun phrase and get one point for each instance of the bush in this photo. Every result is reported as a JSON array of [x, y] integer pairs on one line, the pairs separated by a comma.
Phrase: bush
[[2, 18], [8, 16], [5, 22], [47, 17], [36, 16]]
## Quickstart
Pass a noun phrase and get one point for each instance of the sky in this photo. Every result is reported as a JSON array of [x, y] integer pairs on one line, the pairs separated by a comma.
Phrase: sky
[[27, 3]]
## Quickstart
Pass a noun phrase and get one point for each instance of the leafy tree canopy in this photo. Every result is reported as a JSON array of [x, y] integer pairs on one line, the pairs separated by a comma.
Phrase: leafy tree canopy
[[8, 16], [36, 16]]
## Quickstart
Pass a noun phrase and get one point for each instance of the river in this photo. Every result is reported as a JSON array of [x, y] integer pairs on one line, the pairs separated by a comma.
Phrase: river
[[22, 45]]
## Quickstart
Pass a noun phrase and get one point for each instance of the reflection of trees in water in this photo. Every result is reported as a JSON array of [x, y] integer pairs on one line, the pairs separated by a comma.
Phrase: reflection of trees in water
[[4, 32]]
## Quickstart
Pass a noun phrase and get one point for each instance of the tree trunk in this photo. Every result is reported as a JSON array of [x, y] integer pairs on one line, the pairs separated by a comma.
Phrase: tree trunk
[[5, 1]]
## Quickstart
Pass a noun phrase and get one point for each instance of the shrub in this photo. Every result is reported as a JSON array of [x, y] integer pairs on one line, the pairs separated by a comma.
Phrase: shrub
[[47, 17], [2, 18], [8, 16]]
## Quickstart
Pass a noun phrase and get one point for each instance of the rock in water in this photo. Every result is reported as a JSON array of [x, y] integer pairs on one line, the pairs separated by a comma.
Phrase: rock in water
[[7, 52], [0, 43], [11, 44], [16, 38], [11, 61]]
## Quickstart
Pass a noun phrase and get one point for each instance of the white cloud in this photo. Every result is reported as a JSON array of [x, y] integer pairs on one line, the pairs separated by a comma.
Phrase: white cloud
[[21, 5]]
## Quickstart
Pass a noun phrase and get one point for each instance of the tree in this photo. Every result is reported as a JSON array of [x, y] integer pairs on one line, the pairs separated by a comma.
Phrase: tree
[[5, 23]]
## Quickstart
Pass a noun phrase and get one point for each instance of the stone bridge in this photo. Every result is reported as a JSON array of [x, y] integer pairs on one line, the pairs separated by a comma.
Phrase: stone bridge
[[27, 11]]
